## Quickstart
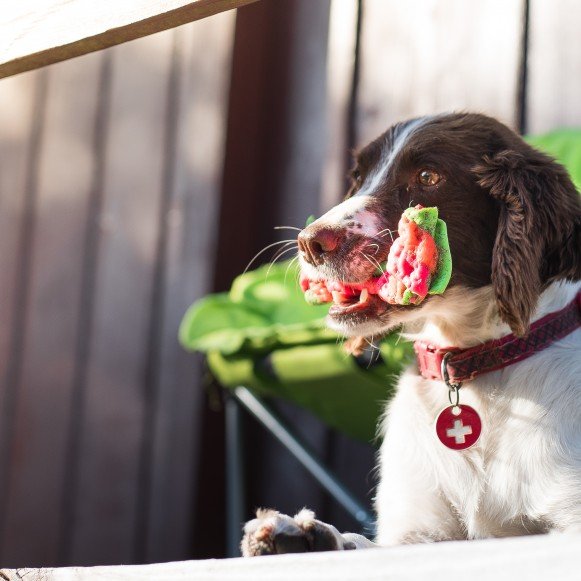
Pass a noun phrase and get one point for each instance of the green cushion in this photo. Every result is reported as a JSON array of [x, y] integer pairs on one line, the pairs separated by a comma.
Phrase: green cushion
[[263, 335], [264, 310], [320, 378], [565, 146]]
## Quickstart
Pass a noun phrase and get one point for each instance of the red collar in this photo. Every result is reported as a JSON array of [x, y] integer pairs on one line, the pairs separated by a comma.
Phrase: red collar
[[466, 364]]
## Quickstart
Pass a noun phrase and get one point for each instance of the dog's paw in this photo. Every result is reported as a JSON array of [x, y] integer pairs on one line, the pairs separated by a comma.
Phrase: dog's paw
[[273, 533]]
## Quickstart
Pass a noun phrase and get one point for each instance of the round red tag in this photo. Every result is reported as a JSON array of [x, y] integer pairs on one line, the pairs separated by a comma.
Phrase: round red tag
[[458, 427]]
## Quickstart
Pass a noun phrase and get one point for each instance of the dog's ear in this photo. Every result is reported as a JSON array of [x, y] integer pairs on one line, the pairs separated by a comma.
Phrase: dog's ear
[[539, 229]]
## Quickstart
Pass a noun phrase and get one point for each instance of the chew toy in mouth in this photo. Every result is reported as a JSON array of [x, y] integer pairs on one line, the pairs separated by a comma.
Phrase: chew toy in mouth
[[419, 263]]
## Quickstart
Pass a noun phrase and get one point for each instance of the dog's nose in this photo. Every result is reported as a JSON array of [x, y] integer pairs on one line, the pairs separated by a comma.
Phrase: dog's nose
[[315, 243]]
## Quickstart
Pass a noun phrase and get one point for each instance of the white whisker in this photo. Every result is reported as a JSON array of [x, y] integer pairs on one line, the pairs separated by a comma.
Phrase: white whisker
[[279, 254], [372, 261], [287, 228], [296, 258], [263, 251], [385, 232], [284, 248]]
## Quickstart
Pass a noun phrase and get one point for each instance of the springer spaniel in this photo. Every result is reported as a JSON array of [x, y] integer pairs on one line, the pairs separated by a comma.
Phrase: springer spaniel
[[514, 228]]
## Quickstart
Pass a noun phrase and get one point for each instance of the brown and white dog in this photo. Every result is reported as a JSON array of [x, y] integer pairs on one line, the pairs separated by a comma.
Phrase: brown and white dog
[[514, 227]]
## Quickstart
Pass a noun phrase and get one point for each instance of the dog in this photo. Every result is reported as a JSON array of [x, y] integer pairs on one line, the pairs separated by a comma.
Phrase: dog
[[514, 227]]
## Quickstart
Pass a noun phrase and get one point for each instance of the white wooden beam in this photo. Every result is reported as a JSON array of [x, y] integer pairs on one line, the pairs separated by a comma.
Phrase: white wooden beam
[[539, 557], [35, 33]]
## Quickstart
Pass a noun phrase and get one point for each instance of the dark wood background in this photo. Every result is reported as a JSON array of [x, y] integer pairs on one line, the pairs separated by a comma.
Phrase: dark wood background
[[137, 179]]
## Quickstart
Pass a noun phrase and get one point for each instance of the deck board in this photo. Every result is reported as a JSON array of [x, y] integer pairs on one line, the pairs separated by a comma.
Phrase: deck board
[[426, 57], [45, 384], [554, 65], [106, 510], [21, 105], [36, 33], [535, 558]]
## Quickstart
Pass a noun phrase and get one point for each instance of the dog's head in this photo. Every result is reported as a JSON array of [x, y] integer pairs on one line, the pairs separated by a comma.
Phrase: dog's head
[[513, 217]]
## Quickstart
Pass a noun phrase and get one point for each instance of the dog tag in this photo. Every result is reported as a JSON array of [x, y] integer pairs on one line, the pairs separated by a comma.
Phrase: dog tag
[[458, 426]]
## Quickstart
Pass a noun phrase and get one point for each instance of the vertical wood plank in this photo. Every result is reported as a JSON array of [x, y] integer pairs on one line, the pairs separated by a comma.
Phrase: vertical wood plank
[[16, 114], [554, 88], [254, 117], [16, 102], [194, 159], [275, 151], [429, 56], [43, 409], [302, 129], [108, 475], [340, 78], [20, 118]]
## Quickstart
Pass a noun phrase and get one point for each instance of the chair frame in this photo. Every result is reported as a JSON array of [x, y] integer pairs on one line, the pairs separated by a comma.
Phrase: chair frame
[[241, 399]]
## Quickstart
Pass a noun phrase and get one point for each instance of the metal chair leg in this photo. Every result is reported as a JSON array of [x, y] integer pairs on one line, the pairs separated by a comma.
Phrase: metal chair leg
[[276, 426], [235, 482]]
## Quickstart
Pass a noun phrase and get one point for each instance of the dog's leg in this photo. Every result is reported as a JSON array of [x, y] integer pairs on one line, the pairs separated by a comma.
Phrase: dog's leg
[[410, 507], [272, 533], [564, 514], [414, 515], [409, 503]]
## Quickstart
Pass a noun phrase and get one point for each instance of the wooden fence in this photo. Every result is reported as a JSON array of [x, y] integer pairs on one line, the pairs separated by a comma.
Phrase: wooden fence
[[128, 175]]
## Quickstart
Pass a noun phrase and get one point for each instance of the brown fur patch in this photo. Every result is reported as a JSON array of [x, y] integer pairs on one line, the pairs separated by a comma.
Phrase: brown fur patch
[[538, 238]]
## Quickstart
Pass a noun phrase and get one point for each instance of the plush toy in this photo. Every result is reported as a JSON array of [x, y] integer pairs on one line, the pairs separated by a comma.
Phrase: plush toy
[[419, 260], [419, 263]]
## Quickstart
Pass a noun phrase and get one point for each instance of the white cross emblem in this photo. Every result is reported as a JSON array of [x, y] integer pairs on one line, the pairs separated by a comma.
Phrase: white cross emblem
[[459, 431]]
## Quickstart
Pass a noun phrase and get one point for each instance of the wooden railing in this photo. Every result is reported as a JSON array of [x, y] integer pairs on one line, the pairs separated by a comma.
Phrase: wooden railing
[[39, 33], [534, 557]]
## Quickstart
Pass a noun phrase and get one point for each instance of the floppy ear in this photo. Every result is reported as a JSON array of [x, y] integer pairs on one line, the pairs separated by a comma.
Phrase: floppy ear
[[539, 229]]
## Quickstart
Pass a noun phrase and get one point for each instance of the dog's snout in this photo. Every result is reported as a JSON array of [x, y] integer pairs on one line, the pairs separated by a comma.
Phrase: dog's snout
[[314, 243]]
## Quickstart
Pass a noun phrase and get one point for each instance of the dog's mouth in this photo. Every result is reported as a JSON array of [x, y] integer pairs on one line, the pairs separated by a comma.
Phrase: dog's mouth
[[418, 263], [345, 298]]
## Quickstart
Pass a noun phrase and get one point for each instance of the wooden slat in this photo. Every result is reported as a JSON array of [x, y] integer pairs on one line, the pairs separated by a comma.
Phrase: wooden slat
[[40, 32], [113, 410], [43, 412], [554, 88], [352, 460], [306, 140], [340, 77], [273, 177], [20, 109], [301, 126], [194, 158], [428, 56], [16, 103]]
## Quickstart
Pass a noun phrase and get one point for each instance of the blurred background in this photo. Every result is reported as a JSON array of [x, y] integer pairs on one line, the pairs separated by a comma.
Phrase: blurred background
[[138, 179]]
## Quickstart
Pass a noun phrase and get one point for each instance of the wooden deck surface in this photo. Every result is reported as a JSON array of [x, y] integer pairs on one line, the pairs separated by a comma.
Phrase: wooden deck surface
[[536, 558]]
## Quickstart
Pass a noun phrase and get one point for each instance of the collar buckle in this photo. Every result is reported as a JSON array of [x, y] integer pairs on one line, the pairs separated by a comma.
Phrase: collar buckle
[[431, 360]]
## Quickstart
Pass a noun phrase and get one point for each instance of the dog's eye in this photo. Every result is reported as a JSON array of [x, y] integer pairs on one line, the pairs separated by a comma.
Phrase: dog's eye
[[428, 177]]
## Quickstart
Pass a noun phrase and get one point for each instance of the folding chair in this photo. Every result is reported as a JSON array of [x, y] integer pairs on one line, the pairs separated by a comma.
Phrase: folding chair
[[262, 341]]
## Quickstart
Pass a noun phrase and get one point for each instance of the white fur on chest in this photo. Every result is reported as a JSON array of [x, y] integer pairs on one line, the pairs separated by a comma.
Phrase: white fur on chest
[[523, 473]]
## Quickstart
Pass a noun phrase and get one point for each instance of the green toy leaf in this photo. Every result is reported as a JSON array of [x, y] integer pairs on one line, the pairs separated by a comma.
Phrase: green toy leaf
[[425, 218], [444, 272]]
